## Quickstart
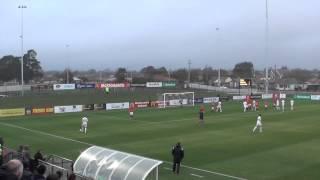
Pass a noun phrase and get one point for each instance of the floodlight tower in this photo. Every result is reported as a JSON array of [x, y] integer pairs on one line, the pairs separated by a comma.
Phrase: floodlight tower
[[267, 48], [21, 36]]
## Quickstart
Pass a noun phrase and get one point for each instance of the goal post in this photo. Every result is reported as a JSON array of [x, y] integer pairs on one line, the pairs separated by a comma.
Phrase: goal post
[[177, 99]]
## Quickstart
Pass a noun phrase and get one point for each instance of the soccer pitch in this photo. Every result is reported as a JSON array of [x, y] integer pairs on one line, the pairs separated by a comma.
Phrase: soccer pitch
[[224, 148]]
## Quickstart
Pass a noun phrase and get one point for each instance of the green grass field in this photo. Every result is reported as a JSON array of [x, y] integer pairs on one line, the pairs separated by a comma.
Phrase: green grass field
[[287, 149]]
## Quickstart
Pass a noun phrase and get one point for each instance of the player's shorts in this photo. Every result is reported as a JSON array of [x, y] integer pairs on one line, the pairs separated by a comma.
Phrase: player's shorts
[[201, 115], [131, 113], [84, 125], [259, 124]]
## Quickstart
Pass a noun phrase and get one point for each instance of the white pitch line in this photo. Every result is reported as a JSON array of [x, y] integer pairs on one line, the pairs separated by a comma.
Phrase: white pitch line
[[89, 144], [196, 175]]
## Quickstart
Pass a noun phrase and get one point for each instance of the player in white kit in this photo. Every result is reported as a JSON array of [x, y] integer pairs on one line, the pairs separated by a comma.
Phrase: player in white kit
[[84, 125], [291, 104], [278, 104], [245, 106], [219, 107], [259, 124], [283, 102], [254, 107]]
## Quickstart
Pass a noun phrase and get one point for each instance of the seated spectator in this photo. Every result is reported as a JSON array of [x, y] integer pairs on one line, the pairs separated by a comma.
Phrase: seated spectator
[[12, 170], [53, 177], [27, 173], [38, 156], [39, 175]]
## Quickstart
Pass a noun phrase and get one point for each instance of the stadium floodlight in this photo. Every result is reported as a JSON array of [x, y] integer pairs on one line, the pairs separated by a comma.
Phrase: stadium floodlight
[[177, 99], [21, 36]]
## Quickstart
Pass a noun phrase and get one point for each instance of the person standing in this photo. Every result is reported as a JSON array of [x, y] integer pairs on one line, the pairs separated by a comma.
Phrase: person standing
[[245, 106], [283, 102], [201, 115], [291, 104], [219, 107], [258, 125], [254, 107], [178, 154], [84, 125]]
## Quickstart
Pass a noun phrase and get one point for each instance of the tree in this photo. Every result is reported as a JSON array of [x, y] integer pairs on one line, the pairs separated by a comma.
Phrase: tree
[[31, 66], [10, 67], [243, 70], [121, 74], [180, 75], [301, 75]]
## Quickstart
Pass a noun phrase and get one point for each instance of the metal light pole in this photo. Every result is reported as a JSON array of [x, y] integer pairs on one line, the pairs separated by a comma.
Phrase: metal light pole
[[267, 48], [189, 73], [21, 36], [67, 47]]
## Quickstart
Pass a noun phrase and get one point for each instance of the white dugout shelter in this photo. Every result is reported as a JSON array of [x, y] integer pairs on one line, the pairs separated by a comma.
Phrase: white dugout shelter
[[106, 164]]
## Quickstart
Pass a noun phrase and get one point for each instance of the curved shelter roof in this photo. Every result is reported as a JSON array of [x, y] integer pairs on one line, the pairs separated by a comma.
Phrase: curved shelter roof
[[107, 164]]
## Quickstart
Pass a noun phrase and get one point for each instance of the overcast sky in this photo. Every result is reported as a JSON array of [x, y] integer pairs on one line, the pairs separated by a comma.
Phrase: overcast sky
[[103, 34]]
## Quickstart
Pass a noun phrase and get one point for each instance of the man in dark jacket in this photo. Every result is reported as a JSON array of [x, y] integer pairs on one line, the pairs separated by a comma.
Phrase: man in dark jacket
[[178, 154]]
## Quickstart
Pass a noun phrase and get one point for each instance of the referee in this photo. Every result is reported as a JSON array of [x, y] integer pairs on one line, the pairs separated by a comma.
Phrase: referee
[[178, 154]]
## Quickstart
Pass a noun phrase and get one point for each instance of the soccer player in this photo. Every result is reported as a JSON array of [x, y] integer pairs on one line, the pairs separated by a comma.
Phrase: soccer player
[[213, 107], [291, 104], [219, 107], [178, 154], [131, 110], [201, 114], [259, 124], [84, 125], [266, 105], [282, 104], [254, 107], [245, 106], [278, 104]]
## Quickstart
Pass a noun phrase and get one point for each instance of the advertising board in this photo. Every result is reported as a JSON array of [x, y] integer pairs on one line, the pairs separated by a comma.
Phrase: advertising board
[[42, 110], [112, 106], [12, 112], [239, 97], [154, 84], [315, 97], [210, 99], [86, 86], [57, 87], [67, 109]]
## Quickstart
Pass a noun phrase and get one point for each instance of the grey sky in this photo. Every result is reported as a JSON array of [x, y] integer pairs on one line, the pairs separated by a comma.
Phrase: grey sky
[[135, 33]]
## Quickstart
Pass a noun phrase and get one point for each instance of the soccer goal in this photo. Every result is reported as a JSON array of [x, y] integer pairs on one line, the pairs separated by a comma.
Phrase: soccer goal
[[177, 99]]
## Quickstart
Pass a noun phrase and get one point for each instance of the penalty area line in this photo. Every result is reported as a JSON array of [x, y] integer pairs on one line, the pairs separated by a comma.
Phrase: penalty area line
[[89, 144]]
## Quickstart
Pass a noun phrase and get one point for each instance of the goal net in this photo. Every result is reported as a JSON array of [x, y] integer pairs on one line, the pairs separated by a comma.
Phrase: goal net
[[177, 99]]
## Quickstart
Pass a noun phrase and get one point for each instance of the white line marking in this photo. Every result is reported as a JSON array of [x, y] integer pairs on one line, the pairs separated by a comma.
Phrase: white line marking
[[89, 144], [196, 175]]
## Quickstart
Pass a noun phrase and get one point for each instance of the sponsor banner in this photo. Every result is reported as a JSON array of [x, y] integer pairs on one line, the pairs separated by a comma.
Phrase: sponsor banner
[[143, 104], [256, 96], [169, 84], [12, 112], [111, 106], [302, 96], [137, 85], [99, 106], [210, 99], [283, 96], [315, 97], [178, 102], [44, 110], [85, 86], [113, 85], [57, 87], [66, 109], [239, 97], [198, 100], [154, 84], [88, 107], [155, 103], [267, 96]]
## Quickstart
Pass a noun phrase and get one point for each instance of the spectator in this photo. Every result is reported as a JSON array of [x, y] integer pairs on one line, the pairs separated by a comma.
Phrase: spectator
[[27, 173], [59, 173], [178, 154], [39, 175], [38, 156], [53, 177], [12, 170], [72, 177]]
